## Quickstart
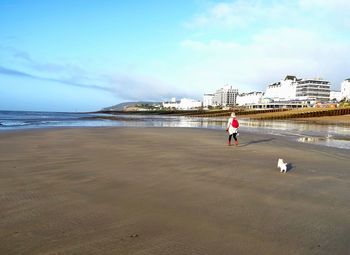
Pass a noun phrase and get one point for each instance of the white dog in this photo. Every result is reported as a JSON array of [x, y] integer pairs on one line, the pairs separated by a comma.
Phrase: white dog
[[282, 165]]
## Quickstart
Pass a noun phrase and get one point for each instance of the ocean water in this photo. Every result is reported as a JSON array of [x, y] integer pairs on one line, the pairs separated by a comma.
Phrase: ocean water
[[326, 135], [10, 120]]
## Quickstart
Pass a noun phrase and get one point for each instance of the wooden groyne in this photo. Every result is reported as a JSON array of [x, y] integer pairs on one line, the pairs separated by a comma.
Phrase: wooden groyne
[[238, 112], [306, 114], [261, 114]]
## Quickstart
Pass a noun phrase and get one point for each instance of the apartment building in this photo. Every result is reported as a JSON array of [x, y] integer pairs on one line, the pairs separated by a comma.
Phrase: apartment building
[[291, 89], [316, 89], [225, 96]]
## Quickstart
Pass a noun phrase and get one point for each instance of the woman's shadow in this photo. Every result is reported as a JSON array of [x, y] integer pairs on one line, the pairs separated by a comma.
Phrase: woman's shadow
[[257, 141]]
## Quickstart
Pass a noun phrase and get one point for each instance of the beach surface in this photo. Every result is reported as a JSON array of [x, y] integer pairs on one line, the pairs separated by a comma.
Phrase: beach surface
[[170, 191]]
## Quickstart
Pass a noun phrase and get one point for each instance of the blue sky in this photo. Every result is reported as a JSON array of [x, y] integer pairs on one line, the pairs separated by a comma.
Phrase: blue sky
[[85, 55]]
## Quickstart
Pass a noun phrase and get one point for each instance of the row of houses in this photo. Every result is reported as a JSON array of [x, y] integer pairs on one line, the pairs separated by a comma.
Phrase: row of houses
[[290, 91]]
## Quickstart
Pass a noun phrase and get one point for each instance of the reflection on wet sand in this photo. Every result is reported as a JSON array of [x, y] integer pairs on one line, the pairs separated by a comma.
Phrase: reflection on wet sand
[[328, 135], [309, 139]]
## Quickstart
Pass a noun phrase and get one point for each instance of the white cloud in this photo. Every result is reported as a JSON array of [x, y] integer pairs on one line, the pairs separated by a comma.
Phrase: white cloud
[[137, 87], [213, 45], [220, 14], [270, 56], [306, 38], [326, 4], [125, 85], [240, 14], [250, 16]]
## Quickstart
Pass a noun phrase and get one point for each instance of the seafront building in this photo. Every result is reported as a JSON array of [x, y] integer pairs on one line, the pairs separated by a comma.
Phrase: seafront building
[[188, 104], [283, 90], [345, 89], [249, 98], [293, 89], [289, 92], [316, 89], [171, 104], [335, 96], [208, 100], [225, 96], [183, 104]]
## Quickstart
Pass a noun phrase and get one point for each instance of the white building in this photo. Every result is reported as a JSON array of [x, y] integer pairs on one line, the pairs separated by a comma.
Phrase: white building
[[225, 96], [208, 100], [335, 95], [283, 90], [345, 89], [316, 89], [188, 104], [172, 104], [291, 89], [183, 104], [249, 98]]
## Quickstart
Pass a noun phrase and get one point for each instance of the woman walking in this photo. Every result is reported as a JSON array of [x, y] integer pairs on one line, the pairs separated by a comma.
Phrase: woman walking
[[232, 129]]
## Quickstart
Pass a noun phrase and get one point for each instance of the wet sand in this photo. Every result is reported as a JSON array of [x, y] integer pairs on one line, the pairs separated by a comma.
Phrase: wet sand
[[328, 120], [169, 191], [324, 120]]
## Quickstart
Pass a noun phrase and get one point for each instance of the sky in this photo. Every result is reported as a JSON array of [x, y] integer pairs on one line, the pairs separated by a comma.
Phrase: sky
[[64, 55]]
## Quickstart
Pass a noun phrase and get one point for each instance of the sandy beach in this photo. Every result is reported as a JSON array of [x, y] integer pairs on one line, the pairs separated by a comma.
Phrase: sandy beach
[[170, 191]]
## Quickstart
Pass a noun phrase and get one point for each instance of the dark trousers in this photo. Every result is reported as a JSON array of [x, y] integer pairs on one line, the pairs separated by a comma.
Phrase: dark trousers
[[234, 137]]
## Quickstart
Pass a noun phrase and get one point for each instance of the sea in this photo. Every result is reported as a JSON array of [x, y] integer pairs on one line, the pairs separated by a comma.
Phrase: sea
[[325, 135]]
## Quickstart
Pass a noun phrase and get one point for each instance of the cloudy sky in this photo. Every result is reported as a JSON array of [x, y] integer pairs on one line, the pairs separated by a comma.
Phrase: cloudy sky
[[84, 55]]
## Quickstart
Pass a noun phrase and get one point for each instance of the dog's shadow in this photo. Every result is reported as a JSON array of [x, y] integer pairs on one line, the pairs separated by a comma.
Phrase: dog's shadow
[[290, 167], [257, 141]]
